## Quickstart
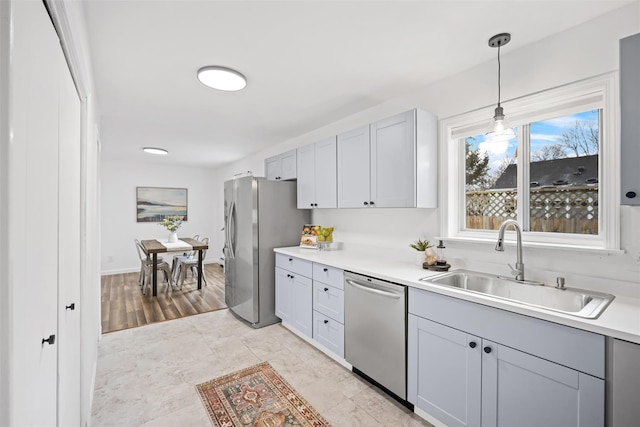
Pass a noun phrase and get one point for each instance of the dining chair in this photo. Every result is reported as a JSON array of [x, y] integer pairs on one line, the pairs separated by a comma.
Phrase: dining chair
[[190, 262], [146, 265]]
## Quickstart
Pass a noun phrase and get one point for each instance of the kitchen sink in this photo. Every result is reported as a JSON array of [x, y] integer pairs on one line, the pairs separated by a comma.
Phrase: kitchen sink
[[572, 301]]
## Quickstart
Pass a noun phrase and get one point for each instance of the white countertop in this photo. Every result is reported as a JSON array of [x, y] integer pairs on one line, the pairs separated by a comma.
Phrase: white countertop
[[620, 320]]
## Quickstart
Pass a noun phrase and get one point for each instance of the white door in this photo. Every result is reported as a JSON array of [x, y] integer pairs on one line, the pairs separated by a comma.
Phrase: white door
[[353, 168], [393, 161], [69, 252], [306, 177], [326, 174], [444, 372], [33, 211]]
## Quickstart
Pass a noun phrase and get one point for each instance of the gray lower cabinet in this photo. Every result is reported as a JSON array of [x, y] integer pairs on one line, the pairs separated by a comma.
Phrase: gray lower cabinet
[[466, 379], [623, 394], [310, 300], [294, 293]]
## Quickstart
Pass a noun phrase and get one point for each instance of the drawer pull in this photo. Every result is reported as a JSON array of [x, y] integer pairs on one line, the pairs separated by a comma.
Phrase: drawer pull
[[487, 349], [472, 344]]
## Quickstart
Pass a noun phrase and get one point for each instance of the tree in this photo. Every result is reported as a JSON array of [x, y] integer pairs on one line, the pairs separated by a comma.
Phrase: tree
[[477, 166], [582, 139], [549, 152]]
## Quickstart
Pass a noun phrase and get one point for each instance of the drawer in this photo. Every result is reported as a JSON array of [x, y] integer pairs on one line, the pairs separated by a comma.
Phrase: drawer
[[328, 301], [295, 265], [571, 347], [329, 333], [328, 275]]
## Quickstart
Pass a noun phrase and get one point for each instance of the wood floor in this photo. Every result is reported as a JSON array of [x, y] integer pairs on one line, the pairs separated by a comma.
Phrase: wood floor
[[124, 306]]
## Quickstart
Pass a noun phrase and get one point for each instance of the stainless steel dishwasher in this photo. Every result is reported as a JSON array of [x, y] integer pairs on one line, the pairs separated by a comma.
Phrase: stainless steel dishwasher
[[375, 331]]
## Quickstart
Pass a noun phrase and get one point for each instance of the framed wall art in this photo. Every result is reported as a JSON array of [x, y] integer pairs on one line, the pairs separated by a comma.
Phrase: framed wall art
[[155, 203]]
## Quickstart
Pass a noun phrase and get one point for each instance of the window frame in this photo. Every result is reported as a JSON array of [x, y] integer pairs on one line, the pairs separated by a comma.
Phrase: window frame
[[600, 92]]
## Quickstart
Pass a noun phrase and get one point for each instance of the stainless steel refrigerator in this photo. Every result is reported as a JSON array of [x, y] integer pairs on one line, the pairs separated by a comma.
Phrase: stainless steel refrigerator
[[259, 215]]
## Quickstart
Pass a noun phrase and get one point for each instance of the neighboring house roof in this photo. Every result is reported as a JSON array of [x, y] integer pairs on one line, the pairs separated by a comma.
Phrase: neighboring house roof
[[558, 172]]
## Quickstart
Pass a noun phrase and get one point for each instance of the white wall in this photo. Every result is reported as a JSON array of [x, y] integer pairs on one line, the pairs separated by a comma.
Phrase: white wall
[[118, 204], [584, 51]]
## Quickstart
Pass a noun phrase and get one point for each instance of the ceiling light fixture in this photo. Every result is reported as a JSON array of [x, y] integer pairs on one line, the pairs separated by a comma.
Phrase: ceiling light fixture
[[222, 78], [153, 150], [499, 130]]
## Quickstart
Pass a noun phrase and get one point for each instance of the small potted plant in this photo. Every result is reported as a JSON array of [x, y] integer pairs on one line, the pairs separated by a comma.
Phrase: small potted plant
[[172, 223], [421, 246]]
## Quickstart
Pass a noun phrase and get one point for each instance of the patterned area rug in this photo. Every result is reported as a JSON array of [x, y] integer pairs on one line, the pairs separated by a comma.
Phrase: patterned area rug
[[259, 397]]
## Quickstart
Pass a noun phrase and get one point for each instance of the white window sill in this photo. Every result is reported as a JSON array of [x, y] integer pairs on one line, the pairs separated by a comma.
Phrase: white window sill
[[538, 245]]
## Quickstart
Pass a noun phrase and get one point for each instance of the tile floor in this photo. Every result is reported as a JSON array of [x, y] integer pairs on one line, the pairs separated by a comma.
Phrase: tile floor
[[146, 376]]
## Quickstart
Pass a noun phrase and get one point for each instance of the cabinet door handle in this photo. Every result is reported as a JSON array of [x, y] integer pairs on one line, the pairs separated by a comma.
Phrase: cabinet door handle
[[487, 349], [311, 204], [371, 203], [71, 306], [472, 344], [290, 259], [326, 289], [50, 340], [325, 269], [366, 203], [326, 321], [630, 194]]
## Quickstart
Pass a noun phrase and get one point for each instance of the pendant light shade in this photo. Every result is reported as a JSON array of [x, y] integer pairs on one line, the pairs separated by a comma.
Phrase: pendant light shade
[[499, 129]]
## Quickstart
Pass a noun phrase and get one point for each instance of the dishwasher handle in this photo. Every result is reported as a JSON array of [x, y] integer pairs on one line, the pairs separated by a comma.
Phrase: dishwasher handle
[[373, 290]]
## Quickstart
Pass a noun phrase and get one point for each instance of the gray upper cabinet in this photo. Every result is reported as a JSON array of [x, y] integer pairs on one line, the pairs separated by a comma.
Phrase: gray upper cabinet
[[316, 165], [281, 167], [354, 168], [391, 163], [630, 119]]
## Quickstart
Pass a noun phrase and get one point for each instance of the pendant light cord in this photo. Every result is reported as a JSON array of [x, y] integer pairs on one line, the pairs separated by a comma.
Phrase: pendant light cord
[[498, 74]]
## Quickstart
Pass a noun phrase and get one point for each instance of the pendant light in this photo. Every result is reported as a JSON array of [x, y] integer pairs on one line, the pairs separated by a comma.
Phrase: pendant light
[[499, 130]]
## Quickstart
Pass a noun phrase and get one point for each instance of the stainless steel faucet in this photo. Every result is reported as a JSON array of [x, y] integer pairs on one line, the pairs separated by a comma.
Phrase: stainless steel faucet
[[519, 270]]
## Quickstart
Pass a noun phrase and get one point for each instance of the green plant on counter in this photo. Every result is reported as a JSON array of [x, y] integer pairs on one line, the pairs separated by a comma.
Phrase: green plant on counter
[[421, 245]]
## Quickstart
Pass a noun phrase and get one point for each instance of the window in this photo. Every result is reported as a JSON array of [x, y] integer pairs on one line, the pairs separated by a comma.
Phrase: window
[[557, 177]]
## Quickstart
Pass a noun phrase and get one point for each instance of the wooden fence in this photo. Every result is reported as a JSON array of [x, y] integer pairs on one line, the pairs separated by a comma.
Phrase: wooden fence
[[553, 209]]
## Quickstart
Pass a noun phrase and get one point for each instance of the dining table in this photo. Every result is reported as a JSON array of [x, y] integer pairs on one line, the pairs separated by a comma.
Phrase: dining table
[[154, 247]]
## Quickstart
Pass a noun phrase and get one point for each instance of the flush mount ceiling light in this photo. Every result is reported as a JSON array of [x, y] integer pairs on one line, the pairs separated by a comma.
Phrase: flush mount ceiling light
[[499, 130], [222, 78], [153, 150]]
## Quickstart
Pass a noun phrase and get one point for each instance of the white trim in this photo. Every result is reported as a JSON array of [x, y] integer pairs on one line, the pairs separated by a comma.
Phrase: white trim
[[597, 92], [72, 51]]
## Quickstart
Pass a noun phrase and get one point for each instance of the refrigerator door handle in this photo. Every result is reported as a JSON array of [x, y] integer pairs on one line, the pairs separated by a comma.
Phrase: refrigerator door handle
[[229, 228]]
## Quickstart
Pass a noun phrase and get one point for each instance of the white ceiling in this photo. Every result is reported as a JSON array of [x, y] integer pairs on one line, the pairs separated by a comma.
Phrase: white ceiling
[[308, 63]]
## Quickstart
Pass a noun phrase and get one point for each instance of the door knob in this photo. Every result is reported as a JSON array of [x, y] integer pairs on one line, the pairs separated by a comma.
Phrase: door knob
[[50, 340]]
